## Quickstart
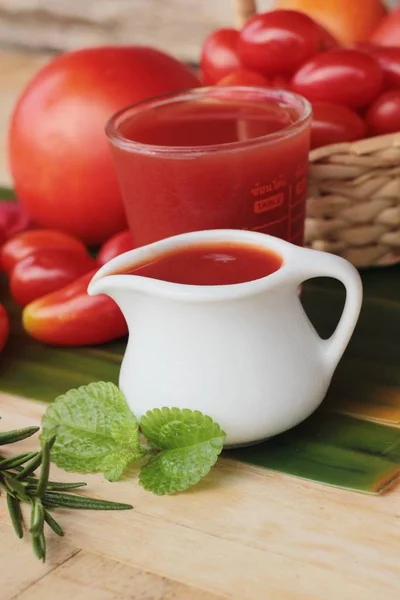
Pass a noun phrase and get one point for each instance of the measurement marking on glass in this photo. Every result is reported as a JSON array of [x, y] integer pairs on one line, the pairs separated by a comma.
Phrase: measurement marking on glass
[[266, 204], [301, 186], [299, 201], [299, 216], [266, 225]]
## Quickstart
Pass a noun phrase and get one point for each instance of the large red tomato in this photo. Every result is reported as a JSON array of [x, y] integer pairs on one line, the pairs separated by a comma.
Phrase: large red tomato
[[59, 155]]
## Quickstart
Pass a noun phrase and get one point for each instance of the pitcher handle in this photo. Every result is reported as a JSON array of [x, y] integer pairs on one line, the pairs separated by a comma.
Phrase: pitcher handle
[[306, 264]]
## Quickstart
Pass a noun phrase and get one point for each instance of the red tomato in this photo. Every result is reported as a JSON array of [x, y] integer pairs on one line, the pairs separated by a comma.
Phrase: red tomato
[[13, 219], [278, 42], [383, 116], [3, 236], [388, 31], [118, 244], [44, 272], [59, 154], [281, 82], [326, 40], [243, 77], [218, 55], [389, 60], [4, 327], [28, 242], [70, 317], [333, 124], [343, 76]]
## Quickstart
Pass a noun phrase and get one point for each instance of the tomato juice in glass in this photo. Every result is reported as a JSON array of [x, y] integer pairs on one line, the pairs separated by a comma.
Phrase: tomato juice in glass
[[213, 158]]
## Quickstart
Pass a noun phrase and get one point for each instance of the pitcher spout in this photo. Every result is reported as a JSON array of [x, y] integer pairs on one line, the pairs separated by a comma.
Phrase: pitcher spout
[[114, 285], [111, 280], [112, 277], [101, 285], [122, 289]]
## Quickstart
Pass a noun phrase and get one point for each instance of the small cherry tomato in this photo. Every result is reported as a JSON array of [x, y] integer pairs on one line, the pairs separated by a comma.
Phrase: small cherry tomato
[[70, 317], [2, 235], [332, 124], [389, 60], [243, 77], [13, 219], [342, 76], [326, 39], [4, 327], [388, 31], [383, 116], [46, 271], [116, 245], [281, 82], [219, 56], [278, 42], [27, 242]]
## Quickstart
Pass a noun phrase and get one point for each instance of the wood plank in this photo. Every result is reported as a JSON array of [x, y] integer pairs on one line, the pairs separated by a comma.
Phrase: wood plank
[[243, 532], [90, 576], [19, 568], [176, 26]]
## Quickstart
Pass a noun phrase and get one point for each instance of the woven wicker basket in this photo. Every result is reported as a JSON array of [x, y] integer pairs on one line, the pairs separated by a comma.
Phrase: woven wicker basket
[[353, 206]]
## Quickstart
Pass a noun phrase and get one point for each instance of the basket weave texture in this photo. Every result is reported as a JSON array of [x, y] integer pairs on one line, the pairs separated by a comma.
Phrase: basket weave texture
[[353, 205]]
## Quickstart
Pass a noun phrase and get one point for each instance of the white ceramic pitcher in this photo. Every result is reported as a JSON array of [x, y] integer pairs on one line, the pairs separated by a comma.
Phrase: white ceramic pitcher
[[245, 354]]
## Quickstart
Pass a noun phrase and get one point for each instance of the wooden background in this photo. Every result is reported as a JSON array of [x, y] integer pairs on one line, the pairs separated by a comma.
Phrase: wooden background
[[178, 26]]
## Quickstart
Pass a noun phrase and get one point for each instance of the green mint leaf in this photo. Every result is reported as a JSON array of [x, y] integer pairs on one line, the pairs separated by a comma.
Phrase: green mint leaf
[[95, 431], [190, 444], [169, 428]]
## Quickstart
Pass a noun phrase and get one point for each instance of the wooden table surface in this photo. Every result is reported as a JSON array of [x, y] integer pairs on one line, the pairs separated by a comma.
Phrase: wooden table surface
[[243, 533]]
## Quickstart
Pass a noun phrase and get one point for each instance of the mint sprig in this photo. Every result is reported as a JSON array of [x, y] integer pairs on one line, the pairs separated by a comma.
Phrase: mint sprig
[[190, 444], [95, 431]]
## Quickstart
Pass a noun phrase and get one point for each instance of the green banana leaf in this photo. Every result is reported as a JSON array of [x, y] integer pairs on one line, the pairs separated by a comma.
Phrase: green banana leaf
[[367, 380], [339, 445], [337, 450], [366, 383]]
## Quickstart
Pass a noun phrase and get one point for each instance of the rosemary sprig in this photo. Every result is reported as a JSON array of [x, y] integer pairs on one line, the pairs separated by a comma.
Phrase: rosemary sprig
[[16, 461], [55, 485], [20, 485], [10, 437], [51, 522], [14, 508], [58, 500], [30, 466]]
